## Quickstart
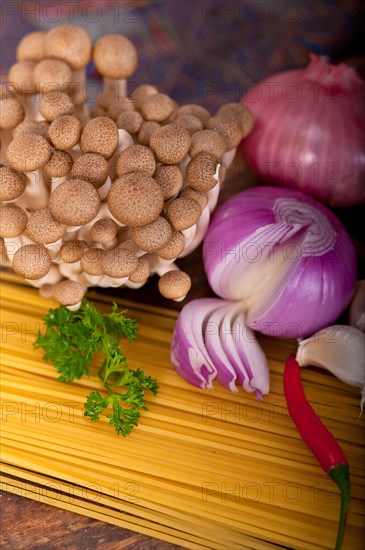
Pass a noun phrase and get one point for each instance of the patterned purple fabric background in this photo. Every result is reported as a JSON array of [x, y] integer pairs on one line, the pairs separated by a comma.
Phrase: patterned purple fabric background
[[198, 50]]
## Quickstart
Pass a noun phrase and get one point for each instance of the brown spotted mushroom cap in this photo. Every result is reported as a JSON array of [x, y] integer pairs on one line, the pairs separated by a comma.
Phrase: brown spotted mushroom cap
[[104, 230], [190, 122], [52, 75], [136, 158], [197, 110], [230, 127], [31, 47], [74, 202], [65, 132], [54, 105], [115, 56], [119, 262], [182, 213], [201, 198], [241, 113], [11, 113], [20, 76], [170, 143], [147, 129], [92, 261], [200, 172], [141, 274], [116, 108], [32, 261], [72, 251], [91, 167], [135, 199], [59, 164], [174, 284], [43, 228], [173, 248], [69, 43], [38, 128], [13, 220], [207, 141], [170, 179], [153, 236], [12, 183], [100, 135], [68, 293], [141, 93], [130, 121], [27, 152], [157, 107]]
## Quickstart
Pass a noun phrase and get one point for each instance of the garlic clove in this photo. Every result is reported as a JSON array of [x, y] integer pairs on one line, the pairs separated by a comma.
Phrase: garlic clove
[[357, 307], [340, 349]]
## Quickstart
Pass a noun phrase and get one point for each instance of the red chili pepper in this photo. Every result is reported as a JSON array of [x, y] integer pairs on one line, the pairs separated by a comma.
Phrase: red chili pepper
[[319, 440]]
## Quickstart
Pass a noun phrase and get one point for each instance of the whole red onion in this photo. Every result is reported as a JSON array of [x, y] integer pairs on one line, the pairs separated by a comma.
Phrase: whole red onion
[[309, 131]]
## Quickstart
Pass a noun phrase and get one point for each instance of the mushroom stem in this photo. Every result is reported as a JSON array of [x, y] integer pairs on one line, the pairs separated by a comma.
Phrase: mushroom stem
[[53, 277], [104, 189], [70, 270], [36, 192], [54, 249], [78, 92], [30, 103], [124, 141], [55, 182], [5, 138], [200, 231], [117, 89], [130, 284]]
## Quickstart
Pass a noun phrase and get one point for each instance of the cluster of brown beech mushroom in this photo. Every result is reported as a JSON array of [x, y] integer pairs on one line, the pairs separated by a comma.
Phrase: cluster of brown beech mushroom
[[108, 195]]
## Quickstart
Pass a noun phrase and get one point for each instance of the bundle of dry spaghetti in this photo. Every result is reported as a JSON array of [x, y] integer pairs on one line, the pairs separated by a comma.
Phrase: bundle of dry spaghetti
[[205, 470], [104, 196]]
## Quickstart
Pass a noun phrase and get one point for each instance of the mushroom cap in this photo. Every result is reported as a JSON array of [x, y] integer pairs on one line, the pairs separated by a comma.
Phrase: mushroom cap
[[32, 261], [28, 152], [91, 167], [104, 230], [135, 199], [52, 75], [43, 228], [174, 284], [229, 126], [207, 141], [157, 107], [201, 198], [119, 262], [54, 105], [170, 179], [130, 121], [173, 248], [100, 135], [74, 202], [140, 93], [68, 293], [241, 113], [115, 56], [170, 143], [33, 127], [153, 236], [20, 76], [13, 220], [116, 108], [190, 122], [200, 172], [147, 129], [141, 274], [182, 213], [136, 158], [72, 251], [11, 113], [197, 110], [69, 43], [31, 47], [12, 183], [65, 132], [92, 261], [59, 164]]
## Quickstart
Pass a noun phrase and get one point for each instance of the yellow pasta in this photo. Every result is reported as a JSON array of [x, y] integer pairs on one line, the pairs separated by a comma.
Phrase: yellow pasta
[[204, 469]]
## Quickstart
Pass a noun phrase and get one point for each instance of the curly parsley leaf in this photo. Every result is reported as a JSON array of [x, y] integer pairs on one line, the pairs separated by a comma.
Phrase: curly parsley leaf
[[70, 341]]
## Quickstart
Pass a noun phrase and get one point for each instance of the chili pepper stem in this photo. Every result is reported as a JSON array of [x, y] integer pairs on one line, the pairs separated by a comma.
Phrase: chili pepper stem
[[341, 476]]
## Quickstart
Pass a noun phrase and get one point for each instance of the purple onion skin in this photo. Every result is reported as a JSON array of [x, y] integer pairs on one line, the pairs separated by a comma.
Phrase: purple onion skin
[[319, 289], [309, 132]]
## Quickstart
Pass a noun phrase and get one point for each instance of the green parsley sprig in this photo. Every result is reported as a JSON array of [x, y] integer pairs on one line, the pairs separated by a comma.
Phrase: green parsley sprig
[[70, 342]]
